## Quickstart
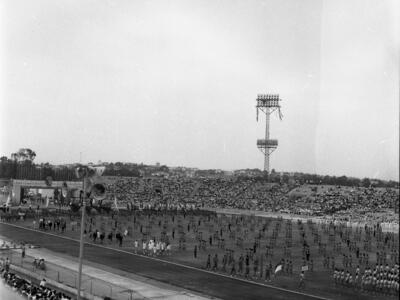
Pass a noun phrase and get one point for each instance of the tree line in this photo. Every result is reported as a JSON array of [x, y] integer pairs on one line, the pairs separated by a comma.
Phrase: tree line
[[21, 166], [304, 178]]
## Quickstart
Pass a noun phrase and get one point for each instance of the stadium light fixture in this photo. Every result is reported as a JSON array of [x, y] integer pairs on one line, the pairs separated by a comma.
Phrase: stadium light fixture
[[91, 189]]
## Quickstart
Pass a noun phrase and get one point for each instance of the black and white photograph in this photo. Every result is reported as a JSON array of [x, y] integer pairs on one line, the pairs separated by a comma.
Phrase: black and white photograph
[[199, 149]]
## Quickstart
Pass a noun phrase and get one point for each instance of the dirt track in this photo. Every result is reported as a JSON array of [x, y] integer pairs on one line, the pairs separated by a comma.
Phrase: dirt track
[[188, 278]]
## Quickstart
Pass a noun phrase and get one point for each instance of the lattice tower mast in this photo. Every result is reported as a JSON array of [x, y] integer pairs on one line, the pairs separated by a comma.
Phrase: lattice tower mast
[[268, 104]]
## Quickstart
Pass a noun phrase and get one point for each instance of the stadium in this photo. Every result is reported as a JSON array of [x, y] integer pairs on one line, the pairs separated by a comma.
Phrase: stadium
[[204, 149], [231, 234]]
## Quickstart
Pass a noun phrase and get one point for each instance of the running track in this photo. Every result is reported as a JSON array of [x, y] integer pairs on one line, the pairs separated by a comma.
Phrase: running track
[[207, 283]]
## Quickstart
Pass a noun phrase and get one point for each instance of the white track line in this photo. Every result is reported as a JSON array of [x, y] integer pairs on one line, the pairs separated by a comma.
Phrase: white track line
[[173, 263]]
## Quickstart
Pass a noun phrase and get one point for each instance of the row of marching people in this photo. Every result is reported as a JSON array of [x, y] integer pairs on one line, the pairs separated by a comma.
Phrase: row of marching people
[[152, 248], [378, 280]]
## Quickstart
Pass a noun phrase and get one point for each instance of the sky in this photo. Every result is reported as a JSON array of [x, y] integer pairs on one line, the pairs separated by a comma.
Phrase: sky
[[175, 82]]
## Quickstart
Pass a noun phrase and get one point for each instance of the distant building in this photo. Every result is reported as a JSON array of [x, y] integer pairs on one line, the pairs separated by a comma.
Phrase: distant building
[[248, 172]]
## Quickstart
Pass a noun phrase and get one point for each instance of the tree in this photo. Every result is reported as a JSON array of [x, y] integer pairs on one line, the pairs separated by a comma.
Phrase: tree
[[365, 182], [8, 167], [392, 184], [24, 155], [47, 170], [164, 168], [285, 178], [342, 180]]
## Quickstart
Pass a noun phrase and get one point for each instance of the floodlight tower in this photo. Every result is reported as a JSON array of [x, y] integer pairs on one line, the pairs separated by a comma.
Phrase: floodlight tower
[[267, 103]]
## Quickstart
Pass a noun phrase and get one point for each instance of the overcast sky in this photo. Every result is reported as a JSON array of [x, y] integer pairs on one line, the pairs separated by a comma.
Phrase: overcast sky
[[175, 82]]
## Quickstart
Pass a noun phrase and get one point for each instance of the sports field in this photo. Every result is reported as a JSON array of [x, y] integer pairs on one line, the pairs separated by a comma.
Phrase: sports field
[[230, 235]]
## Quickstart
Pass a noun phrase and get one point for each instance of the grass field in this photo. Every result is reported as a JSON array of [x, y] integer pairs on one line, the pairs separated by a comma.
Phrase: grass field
[[189, 229]]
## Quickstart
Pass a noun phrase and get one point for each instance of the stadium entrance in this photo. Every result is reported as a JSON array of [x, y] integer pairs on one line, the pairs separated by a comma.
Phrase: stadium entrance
[[44, 189]]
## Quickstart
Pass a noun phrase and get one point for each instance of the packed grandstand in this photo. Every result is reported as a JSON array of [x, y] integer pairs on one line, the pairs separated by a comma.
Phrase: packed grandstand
[[351, 203]]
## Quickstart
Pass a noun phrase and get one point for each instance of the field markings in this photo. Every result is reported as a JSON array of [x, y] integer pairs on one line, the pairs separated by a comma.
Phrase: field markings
[[172, 263]]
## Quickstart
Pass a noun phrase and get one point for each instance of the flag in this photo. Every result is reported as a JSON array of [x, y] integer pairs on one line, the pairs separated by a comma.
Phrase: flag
[[280, 113], [278, 268], [304, 268], [8, 200], [115, 203]]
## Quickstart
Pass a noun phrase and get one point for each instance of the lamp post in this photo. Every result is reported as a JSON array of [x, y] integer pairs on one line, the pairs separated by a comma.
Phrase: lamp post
[[91, 189], [81, 238]]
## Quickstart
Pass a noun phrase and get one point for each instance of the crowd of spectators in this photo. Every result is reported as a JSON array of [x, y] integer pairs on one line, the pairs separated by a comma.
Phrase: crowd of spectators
[[27, 288], [349, 204], [253, 194], [201, 192]]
